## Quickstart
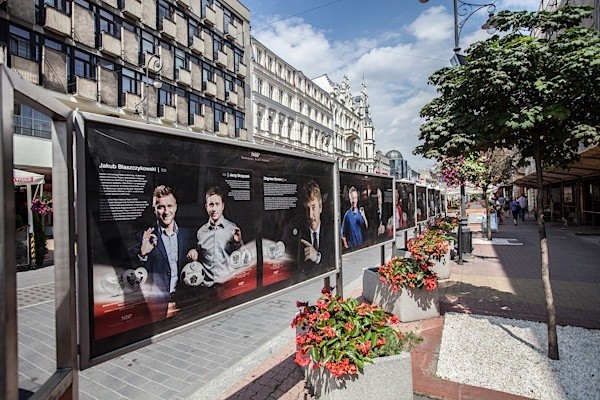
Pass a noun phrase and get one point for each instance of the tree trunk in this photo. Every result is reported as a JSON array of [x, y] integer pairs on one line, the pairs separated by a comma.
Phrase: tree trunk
[[550, 309]]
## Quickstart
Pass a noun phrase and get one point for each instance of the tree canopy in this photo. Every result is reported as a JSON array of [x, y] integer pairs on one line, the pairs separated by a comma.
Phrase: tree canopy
[[533, 86]]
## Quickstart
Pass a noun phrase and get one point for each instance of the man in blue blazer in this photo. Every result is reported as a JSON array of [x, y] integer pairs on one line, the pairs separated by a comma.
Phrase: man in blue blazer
[[162, 250]]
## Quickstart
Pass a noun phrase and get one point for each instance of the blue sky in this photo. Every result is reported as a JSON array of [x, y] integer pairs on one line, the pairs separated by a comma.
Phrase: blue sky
[[394, 45]]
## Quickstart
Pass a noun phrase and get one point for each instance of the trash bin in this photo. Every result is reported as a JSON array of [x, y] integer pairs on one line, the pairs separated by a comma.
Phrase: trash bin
[[467, 241], [493, 223]]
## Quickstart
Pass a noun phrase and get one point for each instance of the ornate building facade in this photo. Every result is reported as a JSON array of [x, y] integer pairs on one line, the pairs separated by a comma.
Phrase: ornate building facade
[[353, 131], [312, 116], [289, 110]]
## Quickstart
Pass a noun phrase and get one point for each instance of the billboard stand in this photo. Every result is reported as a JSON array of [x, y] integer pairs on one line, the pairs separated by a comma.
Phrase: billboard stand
[[63, 383]]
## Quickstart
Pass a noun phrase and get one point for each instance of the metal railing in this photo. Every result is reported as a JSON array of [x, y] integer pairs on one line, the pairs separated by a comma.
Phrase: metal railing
[[32, 127]]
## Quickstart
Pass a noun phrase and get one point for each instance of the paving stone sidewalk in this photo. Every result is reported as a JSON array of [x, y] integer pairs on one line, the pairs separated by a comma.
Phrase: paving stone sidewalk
[[250, 352]]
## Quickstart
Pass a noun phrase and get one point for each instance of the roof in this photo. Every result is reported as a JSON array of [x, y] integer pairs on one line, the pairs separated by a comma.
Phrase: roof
[[588, 166]]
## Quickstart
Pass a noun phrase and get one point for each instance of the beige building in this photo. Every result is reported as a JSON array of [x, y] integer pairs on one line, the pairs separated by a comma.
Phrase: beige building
[[180, 63], [289, 110], [353, 130]]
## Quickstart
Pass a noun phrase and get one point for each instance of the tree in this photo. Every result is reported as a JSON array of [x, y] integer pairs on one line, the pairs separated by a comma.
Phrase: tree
[[534, 93], [482, 169]]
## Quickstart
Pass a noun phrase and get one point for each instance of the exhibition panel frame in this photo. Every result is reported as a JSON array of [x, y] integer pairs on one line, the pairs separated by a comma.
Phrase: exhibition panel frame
[[366, 209], [241, 224]]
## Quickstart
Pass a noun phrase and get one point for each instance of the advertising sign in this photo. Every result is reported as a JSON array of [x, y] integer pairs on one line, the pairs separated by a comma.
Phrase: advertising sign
[[366, 210], [421, 203], [180, 228], [431, 203], [405, 205]]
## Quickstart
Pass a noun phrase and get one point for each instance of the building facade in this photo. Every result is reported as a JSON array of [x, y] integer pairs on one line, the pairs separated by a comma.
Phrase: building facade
[[399, 167], [353, 130], [288, 109], [178, 63]]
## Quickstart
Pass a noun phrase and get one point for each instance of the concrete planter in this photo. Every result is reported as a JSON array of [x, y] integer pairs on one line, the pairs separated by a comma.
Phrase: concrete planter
[[387, 378], [407, 304], [442, 267]]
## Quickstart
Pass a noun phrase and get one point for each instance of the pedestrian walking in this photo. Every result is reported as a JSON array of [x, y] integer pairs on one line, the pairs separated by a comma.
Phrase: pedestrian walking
[[522, 200], [515, 209]]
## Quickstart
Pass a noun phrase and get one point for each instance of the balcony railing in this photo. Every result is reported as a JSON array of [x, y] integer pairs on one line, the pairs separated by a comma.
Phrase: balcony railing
[[209, 16], [132, 9], [32, 127], [57, 21]]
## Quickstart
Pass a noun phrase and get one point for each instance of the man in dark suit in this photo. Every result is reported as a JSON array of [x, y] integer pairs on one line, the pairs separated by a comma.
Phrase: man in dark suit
[[162, 250], [317, 247]]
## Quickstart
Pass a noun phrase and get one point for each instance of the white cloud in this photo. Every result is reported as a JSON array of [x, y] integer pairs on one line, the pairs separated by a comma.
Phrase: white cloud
[[395, 71], [433, 25]]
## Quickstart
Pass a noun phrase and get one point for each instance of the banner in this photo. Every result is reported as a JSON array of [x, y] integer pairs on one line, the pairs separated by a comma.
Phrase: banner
[[367, 217], [421, 203], [405, 205], [180, 228]]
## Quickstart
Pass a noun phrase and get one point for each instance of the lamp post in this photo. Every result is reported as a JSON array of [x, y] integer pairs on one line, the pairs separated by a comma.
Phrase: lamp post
[[156, 62], [463, 10]]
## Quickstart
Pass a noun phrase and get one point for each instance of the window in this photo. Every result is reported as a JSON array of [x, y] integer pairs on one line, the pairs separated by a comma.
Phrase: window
[[220, 116], [280, 97], [217, 45], [259, 88], [270, 91], [106, 22], [23, 43], [259, 56], [130, 81], [193, 30], [61, 5], [181, 59], [240, 123], [82, 64], [196, 106], [207, 76], [258, 119], [270, 124], [237, 59], [165, 10], [229, 85], [30, 122], [280, 126]]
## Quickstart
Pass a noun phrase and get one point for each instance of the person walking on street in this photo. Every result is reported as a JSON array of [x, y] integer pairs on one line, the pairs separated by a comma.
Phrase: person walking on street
[[523, 204], [515, 209]]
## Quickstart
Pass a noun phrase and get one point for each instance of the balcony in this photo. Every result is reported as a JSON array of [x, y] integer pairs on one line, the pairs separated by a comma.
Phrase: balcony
[[223, 129], [210, 16], [132, 101], [221, 59], [232, 98], [351, 134], [57, 22], [230, 31], [197, 46], [110, 44], [184, 77], [168, 113], [86, 88], [242, 71], [210, 88], [169, 29], [199, 123], [132, 9], [183, 3]]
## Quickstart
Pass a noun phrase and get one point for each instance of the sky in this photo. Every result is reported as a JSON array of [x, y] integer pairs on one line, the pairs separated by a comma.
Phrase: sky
[[394, 45]]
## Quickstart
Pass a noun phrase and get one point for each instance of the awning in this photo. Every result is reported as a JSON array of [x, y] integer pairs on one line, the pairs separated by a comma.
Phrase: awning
[[21, 178], [588, 166]]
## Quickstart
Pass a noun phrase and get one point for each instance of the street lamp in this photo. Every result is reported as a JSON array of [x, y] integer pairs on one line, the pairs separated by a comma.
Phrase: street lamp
[[157, 65], [463, 10]]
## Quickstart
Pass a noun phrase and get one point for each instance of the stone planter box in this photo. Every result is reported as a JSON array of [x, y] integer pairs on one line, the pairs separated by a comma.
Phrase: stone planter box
[[442, 267], [388, 378], [407, 304]]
